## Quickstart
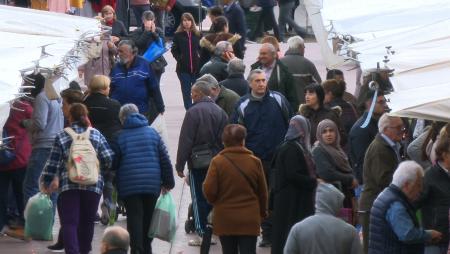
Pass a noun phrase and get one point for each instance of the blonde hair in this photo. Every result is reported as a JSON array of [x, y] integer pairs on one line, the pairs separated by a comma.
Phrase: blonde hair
[[99, 83], [193, 28]]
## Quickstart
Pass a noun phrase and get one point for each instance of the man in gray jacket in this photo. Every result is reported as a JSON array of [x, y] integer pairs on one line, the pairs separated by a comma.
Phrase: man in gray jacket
[[323, 232], [202, 126], [302, 69]]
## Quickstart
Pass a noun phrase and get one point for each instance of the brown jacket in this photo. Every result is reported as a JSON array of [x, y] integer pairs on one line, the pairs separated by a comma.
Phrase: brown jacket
[[380, 163], [238, 208]]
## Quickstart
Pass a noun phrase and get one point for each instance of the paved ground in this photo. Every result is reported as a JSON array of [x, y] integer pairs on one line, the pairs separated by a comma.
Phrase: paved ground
[[174, 117]]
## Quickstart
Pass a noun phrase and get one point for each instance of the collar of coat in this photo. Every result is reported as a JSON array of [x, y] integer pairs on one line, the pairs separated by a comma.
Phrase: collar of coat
[[236, 149]]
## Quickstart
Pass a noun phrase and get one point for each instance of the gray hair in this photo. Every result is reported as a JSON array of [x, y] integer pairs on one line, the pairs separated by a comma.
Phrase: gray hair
[[384, 122], [271, 47], [148, 15], [253, 73], [131, 45], [209, 79], [127, 110], [203, 87], [222, 47], [236, 66], [295, 42], [116, 237], [406, 172]]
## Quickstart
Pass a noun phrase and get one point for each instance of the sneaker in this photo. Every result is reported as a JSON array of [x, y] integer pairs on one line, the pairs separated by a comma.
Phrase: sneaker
[[57, 247], [264, 243], [213, 241], [195, 242], [97, 219], [16, 233], [104, 219]]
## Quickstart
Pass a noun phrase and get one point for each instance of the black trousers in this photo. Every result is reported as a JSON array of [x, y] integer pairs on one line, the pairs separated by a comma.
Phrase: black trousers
[[267, 16], [140, 209], [266, 224], [238, 244]]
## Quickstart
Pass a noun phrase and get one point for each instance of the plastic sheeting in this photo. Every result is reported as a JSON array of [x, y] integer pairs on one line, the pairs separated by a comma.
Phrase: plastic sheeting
[[24, 32], [417, 33]]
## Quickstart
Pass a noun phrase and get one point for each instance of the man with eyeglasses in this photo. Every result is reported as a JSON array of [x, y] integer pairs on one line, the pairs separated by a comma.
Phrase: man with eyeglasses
[[381, 159], [218, 64]]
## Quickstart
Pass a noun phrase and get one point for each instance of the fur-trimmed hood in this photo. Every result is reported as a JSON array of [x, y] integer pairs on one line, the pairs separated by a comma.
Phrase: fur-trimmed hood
[[209, 42]]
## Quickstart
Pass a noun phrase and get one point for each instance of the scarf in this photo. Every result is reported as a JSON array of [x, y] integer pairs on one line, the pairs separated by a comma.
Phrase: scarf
[[334, 150]]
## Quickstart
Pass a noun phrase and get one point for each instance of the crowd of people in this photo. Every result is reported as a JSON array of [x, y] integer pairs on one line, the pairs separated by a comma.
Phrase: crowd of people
[[280, 154]]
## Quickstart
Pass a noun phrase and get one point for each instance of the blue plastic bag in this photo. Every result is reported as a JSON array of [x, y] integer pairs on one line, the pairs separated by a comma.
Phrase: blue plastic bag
[[164, 224], [39, 218], [155, 50]]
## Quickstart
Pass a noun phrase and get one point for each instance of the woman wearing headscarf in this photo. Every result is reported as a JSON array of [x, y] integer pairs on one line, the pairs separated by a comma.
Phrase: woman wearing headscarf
[[332, 163], [294, 181]]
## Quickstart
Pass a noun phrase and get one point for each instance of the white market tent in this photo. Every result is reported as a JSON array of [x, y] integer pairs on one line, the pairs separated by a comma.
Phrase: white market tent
[[24, 33], [417, 33]]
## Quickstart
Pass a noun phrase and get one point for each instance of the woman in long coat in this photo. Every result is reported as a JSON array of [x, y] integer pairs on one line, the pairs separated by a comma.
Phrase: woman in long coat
[[292, 194]]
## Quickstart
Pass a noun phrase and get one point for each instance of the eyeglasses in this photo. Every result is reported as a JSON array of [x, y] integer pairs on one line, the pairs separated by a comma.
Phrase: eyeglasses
[[400, 128]]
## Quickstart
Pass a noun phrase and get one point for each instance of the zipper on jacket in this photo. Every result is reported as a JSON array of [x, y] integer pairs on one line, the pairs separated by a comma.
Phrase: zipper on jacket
[[189, 34]]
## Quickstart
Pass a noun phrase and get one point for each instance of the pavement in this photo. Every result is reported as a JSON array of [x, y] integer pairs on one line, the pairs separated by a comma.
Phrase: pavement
[[174, 116]]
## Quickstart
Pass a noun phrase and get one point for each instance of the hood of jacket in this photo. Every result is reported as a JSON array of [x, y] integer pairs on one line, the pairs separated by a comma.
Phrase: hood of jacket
[[328, 199], [135, 120], [209, 42]]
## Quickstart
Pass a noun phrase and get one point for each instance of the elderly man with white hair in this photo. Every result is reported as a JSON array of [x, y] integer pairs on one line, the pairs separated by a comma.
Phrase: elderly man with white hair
[[303, 70], [394, 227], [222, 96], [217, 65], [381, 159], [277, 74], [236, 80], [116, 240]]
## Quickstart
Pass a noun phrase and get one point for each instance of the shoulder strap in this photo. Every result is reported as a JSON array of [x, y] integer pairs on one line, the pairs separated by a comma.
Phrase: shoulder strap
[[242, 173], [71, 132]]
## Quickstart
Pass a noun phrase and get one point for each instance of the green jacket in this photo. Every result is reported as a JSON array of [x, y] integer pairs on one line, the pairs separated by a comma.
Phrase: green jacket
[[227, 100], [281, 80], [380, 163]]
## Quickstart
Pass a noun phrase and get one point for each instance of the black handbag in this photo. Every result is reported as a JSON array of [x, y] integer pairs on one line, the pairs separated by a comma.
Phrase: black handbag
[[201, 156], [159, 64]]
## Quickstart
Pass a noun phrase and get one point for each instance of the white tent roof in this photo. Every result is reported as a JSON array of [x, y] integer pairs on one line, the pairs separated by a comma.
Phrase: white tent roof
[[24, 32], [417, 31]]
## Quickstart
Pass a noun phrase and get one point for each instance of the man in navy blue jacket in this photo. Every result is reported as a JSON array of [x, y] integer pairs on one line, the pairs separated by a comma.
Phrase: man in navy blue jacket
[[266, 116], [132, 80], [236, 20]]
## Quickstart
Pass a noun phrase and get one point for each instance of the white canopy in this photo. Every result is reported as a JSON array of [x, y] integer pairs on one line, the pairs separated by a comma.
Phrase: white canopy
[[24, 32], [414, 35]]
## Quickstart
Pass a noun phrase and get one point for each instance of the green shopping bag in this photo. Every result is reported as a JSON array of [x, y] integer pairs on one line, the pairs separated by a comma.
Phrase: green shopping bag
[[164, 224], [39, 218]]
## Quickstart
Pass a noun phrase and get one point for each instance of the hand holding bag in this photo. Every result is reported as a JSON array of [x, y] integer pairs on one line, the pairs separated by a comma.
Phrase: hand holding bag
[[155, 50]]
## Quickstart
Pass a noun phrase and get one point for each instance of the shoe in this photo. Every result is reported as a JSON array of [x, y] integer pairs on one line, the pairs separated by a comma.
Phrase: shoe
[[195, 242], [213, 241], [57, 247], [16, 233], [97, 219], [104, 219], [264, 243]]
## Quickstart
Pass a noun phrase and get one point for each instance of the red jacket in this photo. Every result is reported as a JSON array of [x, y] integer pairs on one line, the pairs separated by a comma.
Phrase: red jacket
[[21, 142]]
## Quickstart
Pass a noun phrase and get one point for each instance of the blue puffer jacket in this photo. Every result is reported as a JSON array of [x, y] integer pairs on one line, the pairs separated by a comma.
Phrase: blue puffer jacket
[[143, 162], [135, 85], [266, 120]]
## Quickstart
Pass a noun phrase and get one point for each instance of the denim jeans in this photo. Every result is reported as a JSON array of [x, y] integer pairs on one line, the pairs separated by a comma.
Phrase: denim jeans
[[15, 179], [36, 164], [138, 10], [186, 81]]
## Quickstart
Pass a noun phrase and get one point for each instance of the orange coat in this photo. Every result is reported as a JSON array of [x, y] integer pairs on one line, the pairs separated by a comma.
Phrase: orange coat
[[238, 208]]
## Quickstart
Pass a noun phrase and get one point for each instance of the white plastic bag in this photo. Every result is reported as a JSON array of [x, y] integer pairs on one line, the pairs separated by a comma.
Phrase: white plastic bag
[[160, 126]]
